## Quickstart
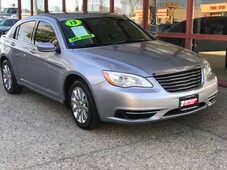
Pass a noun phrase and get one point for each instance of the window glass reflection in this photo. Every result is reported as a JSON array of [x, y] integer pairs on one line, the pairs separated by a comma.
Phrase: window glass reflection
[[54, 6], [131, 8], [167, 16], [74, 5], [25, 8], [38, 7], [210, 17], [99, 5]]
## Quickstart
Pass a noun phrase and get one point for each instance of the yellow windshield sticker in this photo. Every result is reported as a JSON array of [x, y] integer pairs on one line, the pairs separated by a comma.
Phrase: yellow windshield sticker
[[83, 37], [73, 22]]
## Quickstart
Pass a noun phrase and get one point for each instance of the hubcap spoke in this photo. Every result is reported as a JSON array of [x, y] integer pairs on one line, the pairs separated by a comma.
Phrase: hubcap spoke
[[4, 75], [79, 94], [79, 104], [9, 83], [85, 115], [79, 116], [4, 70], [75, 112]]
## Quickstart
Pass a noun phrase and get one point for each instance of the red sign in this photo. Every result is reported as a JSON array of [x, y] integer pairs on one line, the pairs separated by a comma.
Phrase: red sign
[[221, 7], [217, 7], [213, 7]]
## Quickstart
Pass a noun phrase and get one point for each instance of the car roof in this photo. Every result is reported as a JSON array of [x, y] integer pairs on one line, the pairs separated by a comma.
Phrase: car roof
[[65, 16]]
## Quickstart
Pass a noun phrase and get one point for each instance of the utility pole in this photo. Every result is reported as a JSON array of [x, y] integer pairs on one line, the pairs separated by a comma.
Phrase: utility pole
[[35, 7], [0, 5]]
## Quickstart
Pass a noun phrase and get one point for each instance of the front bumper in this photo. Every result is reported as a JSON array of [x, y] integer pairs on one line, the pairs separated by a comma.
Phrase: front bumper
[[138, 105]]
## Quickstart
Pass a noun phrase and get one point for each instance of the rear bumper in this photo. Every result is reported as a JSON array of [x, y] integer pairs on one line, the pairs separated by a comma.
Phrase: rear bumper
[[139, 105]]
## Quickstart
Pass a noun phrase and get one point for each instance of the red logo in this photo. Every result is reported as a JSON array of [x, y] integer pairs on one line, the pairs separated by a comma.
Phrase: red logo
[[221, 7], [189, 102], [213, 7]]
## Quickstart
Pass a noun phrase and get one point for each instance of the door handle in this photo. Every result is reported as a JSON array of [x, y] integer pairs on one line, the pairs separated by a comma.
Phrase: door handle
[[33, 51], [13, 44]]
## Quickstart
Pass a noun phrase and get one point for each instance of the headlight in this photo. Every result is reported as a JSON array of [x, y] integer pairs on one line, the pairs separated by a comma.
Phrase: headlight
[[207, 68], [126, 80]]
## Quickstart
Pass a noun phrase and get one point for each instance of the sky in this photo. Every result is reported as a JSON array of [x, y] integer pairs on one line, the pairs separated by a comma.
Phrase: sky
[[26, 3], [6, 3]]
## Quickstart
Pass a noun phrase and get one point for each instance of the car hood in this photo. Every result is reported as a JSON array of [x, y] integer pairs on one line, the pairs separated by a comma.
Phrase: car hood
[[4, 28], [145, 58]]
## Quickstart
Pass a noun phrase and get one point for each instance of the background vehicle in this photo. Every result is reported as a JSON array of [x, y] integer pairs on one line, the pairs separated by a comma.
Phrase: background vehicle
[[8, 12], [206, 25], [104, 67], [154, 29], [6, 24]]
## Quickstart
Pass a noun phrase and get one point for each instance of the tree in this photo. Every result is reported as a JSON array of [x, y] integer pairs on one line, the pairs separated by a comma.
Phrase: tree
[[132, 6], [35, 7], [152, 11]]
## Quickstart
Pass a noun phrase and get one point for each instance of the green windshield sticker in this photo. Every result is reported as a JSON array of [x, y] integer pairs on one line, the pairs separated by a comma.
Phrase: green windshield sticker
[[73, 22], [83, 37]]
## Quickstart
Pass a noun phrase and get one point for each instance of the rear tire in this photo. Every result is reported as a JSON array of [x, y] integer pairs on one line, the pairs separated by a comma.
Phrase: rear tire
[[82, 105], [8, 78]]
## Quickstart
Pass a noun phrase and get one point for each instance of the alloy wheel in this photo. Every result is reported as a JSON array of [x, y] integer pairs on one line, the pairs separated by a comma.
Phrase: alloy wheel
[[7, 77], [79, 104]]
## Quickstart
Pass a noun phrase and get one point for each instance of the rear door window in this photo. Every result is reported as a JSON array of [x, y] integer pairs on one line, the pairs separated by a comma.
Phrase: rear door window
[[25, 31]]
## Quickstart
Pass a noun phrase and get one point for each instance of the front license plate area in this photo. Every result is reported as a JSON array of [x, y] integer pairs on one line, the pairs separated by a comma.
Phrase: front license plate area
[[189, 102]]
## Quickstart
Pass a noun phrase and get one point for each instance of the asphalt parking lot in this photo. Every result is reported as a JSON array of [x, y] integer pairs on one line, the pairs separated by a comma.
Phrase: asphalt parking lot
[[38, 133]]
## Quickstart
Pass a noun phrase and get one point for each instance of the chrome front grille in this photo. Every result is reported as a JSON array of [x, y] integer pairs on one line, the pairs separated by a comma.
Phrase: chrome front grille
[[180, 81]]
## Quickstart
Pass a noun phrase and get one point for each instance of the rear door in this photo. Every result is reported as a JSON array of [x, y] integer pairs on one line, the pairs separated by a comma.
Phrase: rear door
[[20, 44]]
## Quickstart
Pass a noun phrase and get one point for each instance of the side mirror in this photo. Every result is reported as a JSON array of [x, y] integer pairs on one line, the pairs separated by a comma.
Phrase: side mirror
[[46, 47]]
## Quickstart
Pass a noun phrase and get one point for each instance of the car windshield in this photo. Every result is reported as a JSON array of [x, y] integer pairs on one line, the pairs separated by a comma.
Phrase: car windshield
[[9, 10], [5, 22], [91, 32], [5, 10]]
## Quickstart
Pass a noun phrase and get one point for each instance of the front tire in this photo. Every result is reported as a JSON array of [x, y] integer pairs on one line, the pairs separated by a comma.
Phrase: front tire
[[8, 79], [82, 105]]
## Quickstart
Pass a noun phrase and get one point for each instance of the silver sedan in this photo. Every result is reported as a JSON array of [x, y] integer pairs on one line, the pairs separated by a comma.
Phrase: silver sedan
[[105, 67]]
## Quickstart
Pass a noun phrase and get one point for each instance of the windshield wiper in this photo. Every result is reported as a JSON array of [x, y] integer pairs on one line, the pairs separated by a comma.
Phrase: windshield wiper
[[129, 41], [114, 43], [91, 45]]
